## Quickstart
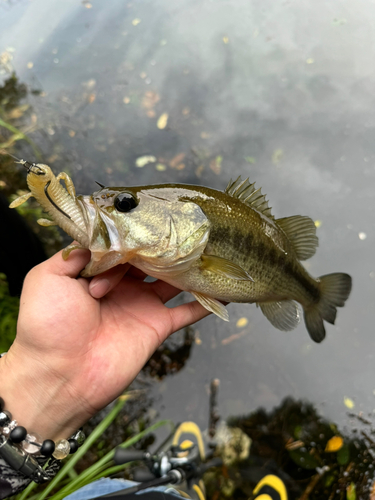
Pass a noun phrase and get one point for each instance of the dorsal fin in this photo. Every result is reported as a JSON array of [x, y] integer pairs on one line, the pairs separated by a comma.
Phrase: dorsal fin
[[246, 192], [301, 232]]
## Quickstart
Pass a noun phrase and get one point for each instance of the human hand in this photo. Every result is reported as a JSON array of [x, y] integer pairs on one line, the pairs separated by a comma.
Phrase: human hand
[[79, 344]]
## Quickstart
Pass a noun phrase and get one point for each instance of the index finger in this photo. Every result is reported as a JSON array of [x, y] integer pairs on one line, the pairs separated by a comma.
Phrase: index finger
[[71, 267]]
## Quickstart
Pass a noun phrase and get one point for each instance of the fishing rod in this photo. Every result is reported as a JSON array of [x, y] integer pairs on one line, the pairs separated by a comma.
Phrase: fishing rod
[[175, 463]]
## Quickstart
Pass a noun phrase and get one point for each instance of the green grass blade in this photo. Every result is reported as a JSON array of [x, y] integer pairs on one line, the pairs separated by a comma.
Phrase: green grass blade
[[26, 492], [98, 467], [97, 432], [21, 135]]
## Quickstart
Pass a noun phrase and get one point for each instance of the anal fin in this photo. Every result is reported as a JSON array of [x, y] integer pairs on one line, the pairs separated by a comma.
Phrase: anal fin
[[211, 305], [224, 267], [284, 315]]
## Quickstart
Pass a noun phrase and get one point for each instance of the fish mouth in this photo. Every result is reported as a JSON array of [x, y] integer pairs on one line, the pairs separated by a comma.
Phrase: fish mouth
[[103, 239], [101, 231]]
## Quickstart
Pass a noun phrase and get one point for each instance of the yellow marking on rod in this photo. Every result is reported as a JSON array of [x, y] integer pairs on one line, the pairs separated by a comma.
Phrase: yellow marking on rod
[[276, 483], [192, 428]]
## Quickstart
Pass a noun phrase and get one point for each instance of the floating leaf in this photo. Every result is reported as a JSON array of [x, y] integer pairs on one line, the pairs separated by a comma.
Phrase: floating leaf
[[303, 459], [297, 431], [277, 155], [176, 160], [162, 121], [349, 403], [294, 445], [249, 159], [334, 444], [144, 160], [329, 478], [242, 322], [350, 492], [343, 455], [215, 165]]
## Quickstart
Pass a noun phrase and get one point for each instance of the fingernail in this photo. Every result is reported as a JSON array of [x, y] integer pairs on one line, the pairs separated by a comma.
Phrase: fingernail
[[99, 288]]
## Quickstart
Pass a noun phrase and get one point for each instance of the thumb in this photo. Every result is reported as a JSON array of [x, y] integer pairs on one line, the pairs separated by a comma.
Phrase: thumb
[[71, 267]]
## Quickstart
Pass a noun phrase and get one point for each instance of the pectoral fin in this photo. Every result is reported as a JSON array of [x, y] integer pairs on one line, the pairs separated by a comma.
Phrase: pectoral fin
[[224, 267], [284, 315], [212, 305]]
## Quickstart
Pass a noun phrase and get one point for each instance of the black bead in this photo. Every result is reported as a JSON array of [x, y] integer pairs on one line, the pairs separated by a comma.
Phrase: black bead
[[2, 404], [18, 434], [73, 445], [5, 418], [48, 447]]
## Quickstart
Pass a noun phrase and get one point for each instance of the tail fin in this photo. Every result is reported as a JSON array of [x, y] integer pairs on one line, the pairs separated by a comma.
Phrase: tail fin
[[334, 289]]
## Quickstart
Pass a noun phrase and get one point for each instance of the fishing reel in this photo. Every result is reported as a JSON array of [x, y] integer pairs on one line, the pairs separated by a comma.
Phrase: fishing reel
[[179, 462]]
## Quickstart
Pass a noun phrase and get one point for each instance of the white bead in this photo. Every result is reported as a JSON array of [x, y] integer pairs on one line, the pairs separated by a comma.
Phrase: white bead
[[32, 443], [62, 449], [8, 428]]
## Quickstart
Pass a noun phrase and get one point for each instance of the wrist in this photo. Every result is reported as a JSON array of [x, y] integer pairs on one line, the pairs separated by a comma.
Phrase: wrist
[[38, 398]]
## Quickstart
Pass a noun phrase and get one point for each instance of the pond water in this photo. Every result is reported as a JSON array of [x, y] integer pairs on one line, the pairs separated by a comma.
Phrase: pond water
[[280, 92]]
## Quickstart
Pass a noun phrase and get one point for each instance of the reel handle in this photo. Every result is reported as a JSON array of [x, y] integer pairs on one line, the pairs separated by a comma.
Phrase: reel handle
[[122, 456]]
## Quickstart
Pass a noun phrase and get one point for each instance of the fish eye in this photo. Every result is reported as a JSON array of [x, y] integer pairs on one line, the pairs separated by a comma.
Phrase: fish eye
[[124, 202]]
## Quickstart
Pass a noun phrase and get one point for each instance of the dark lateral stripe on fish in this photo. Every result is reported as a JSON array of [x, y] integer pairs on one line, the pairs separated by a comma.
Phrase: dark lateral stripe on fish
[[247, 244]]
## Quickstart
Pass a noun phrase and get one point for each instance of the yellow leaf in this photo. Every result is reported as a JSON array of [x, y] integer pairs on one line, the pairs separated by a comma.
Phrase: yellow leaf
[[136, 21], [176, 160], [162, 121], [349, 403], [334, 444], [242, 322], [142, 161]]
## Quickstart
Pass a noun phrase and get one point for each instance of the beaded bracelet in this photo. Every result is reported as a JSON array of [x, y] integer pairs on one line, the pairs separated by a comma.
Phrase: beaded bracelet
[[32, 443], [20, 448]]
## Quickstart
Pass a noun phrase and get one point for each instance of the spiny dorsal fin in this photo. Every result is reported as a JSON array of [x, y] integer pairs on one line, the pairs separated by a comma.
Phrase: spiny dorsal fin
[[301, 232], [246, 192]]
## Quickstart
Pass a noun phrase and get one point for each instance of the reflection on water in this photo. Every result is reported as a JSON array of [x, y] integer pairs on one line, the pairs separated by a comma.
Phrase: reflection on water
[[311, 455]]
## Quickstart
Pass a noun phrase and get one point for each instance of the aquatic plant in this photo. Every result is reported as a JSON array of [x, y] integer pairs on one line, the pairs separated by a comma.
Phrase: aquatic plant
[[9, 307]]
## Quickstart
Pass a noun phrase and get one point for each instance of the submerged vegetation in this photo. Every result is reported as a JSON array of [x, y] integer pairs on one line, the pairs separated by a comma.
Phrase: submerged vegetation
[[311, 455], [8, 315]]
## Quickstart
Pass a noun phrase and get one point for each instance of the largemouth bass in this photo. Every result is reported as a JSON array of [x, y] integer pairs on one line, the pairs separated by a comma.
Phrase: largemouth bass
[[219, 246]]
